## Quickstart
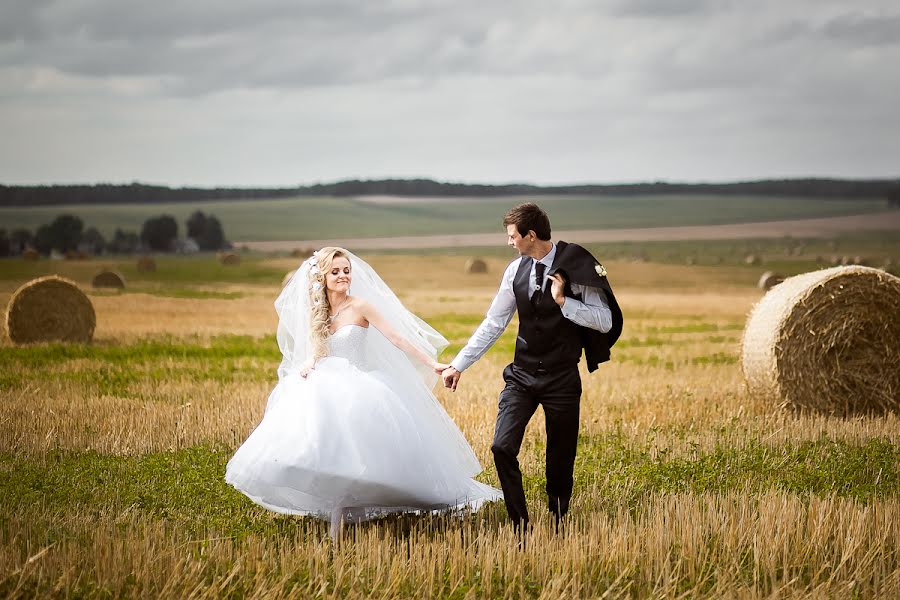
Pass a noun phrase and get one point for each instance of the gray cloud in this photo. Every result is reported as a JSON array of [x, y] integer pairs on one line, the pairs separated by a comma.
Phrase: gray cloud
[[580, 90], [865, 29], [671, 8]]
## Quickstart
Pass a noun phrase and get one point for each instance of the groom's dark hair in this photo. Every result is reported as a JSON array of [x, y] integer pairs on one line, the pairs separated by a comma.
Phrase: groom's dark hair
[[529, 216]]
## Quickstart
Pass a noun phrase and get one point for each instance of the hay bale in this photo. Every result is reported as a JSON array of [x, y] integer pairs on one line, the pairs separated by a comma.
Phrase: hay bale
[[769, 279], [827, 341], [31, 254], [752, 259], [229, 259], [287, 277], [49, 309], [476, 265], [108, 279], [146, 264], [302, 252]]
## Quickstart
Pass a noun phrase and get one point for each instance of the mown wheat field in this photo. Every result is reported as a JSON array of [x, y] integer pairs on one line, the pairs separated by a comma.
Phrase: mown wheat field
[[112, 457]]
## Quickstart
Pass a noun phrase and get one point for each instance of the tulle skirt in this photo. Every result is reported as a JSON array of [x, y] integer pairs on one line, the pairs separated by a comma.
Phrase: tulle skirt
[[345, 439]]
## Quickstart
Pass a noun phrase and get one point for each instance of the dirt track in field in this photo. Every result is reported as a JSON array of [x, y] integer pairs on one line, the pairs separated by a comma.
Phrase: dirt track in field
[[803, 228]]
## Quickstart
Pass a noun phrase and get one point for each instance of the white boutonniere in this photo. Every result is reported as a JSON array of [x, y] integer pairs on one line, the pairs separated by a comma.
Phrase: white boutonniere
[[601, 270]]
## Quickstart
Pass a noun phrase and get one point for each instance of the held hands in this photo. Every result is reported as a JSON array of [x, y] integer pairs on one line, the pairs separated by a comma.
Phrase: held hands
[[451, 378], [557, 288], [439, 367]]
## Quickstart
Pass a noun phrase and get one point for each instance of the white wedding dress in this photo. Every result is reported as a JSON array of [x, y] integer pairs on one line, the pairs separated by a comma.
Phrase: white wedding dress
[[356, 443]]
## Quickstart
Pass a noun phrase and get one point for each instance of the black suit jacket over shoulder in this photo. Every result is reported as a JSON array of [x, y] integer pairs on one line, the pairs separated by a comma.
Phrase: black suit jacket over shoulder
[[579, 266]]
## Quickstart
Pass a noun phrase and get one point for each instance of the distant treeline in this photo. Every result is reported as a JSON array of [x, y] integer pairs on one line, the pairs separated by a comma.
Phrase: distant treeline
[[137, 193]]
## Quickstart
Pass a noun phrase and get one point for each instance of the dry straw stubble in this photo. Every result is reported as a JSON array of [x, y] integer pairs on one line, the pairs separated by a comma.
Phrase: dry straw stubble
[[50, 308], [827, 341]]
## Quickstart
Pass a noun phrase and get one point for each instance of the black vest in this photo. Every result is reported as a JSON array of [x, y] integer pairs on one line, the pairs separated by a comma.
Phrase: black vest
[[546, 340]]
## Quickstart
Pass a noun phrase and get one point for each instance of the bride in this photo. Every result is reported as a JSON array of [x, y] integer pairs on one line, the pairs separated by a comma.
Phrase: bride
[[352, 430]]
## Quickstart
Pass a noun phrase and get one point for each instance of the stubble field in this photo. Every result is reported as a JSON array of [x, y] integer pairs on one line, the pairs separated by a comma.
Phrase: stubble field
[[112, 456]]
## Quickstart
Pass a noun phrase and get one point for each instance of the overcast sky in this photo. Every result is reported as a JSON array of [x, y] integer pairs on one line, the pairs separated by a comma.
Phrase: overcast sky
[[287, 92]]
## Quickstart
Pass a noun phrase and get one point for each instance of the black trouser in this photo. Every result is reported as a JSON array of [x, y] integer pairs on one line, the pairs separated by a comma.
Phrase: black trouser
[[559, 392]]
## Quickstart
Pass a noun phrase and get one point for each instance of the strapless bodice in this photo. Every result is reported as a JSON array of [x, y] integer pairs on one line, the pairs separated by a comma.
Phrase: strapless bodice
[[349, 342]]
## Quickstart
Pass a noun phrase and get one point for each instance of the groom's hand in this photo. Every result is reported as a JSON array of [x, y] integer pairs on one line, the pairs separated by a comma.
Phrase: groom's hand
[[451, 378], [557, 288]]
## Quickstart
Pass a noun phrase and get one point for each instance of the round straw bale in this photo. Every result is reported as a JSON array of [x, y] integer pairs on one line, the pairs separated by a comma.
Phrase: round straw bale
[[287, 277], [476, 265], [229, 259], [108, 279], [146, 264], [31, 254], [827, 341], [752, 259], [301, 252], [50, 308], [769, 279]]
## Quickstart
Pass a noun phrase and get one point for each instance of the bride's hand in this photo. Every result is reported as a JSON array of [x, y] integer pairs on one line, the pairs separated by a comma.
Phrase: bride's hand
[[439, 367], [305, 369]]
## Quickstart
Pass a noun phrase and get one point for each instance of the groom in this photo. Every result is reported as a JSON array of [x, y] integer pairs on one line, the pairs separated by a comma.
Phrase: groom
[[565, 305]]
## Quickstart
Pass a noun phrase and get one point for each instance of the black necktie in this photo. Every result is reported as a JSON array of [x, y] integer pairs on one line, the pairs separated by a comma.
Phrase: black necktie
[[539, 281]]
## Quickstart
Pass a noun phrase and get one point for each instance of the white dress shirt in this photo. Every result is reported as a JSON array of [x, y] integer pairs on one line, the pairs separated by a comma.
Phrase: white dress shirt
[[592, 311]]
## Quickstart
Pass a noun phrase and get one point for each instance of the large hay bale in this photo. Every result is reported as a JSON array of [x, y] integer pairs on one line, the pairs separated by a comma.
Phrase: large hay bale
[[31, 254], [769, 279], [301, 252], [476, 265], [229, 259], [827, 341], [752, 259], [287, 277], [49, 309], [109, 279], [146, 264]]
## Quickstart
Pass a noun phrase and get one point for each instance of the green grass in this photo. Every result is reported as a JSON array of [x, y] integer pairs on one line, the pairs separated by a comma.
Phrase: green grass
[[223, 359], [613, 463], [230, 358], [174, 275], [148, 349], [324, 217], [186, 487], [786, 255]]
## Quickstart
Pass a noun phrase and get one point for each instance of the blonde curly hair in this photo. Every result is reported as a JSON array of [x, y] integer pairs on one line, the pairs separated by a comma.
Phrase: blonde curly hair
[[318, 299]]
